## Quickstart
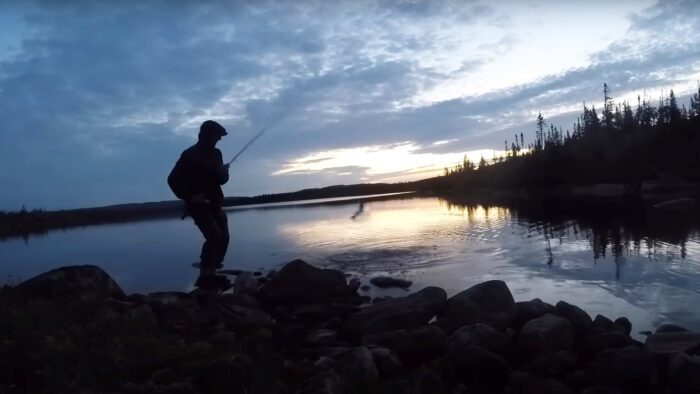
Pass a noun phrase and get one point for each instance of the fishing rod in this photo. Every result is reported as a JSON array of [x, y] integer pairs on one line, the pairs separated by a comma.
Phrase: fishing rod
[[256, 136]]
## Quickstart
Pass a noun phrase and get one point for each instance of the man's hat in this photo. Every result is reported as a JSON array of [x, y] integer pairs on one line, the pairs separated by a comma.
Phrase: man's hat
[[209, 127]]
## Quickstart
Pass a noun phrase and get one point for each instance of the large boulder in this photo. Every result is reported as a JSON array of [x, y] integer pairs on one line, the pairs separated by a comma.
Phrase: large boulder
[[576, 316], [86, 282], [546, 334], [356, 369], [488, 302], [402, 312], [478, 335], [630, 368], [479, 369], [528, 310], [299, 282]]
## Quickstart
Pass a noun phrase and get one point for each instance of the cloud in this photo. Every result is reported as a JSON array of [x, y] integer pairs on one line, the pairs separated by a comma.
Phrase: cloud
[[99, 98]]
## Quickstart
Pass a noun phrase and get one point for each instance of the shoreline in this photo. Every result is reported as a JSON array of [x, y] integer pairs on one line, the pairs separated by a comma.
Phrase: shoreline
[[305, 329]]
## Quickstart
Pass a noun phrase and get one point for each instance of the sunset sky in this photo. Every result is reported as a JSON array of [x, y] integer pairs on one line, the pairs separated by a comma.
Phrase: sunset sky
[[98, 98]]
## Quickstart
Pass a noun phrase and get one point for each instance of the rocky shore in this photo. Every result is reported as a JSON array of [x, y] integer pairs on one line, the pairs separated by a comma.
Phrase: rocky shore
[[307, 330]]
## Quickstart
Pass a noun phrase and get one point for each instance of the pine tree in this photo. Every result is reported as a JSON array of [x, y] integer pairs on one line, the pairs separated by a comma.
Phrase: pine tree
[[607, 108], [674, 112]]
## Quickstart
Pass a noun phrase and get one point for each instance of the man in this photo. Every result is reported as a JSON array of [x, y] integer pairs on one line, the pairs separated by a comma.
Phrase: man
[[196, 179]]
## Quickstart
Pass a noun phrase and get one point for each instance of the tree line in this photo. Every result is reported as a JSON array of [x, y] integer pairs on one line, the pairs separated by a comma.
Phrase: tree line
[[625, 143]]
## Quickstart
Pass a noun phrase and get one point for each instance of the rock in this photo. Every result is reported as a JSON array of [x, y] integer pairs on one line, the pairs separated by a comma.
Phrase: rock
[[377, 300], [321, 337], [257, 273], [245, 300], [607, 340], [365, 288], [479, 369], [387, 362], [326, 382], [528, 310], [579, 319], [552, 364], [323, 363], [488, 302], [356, 369], [630, 368], [166, 297], [85, 282], [262, 280], [546, 334], [313, 314], [478, 335], [385, 281], [354, 284], [603, 323], [245, 283], [525, 383], [669, 343], [424, 381], [299, 282], [600, 390], [245, 320], [402, 312], [224, 340], [144, 316], [271, 274], [577, 380], [625, 324], [667, 327], [684, 373], [414, 345]]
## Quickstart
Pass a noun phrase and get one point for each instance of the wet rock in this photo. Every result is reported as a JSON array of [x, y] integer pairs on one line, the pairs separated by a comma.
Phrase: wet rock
[[356, 369], [327, 382], [271, 274], [669, 343], [299, 282], [262, 280], [387, 361], [684, 373], [365, 288], [385, 281], [578, 318], [378, 300], [546, 334], [625, 324], [245, 283], [257, 273], [414, 345], [402, 312], [528, 310], [488, 302], [478, 335], [85, 282], [166, 297], [667, 327], [424, 381]]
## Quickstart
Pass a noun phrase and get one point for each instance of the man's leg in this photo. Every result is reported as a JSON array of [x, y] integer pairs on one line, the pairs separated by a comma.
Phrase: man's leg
[[206, 221], [222, 224]]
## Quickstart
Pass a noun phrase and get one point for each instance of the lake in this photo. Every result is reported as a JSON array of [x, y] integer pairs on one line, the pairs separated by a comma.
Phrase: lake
[[616, 259]]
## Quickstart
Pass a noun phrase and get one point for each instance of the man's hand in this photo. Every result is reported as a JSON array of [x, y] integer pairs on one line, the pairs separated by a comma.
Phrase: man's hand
[[199, 198]]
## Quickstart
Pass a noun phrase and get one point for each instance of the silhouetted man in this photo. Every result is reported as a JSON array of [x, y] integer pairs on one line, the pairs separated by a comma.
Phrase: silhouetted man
[[196, 179]]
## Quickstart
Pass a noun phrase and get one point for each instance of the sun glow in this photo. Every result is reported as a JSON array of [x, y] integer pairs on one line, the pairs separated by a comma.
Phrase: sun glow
[[403, 161]]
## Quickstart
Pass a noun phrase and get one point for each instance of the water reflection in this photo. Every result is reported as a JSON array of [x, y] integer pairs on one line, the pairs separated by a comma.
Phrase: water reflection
[[618, 259]]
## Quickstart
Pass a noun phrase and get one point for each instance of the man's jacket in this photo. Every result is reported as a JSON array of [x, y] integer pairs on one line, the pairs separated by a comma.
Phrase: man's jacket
[[200, 169]]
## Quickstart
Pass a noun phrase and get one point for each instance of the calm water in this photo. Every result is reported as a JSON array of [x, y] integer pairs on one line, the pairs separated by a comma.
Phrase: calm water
[[617, 261]]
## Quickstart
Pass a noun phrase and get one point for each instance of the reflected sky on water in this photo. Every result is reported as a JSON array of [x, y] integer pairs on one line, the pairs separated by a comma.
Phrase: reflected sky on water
[[619, 260]]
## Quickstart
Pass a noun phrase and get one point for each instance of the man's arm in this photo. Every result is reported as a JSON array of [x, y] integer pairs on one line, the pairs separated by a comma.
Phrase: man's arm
[[221, 170]]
